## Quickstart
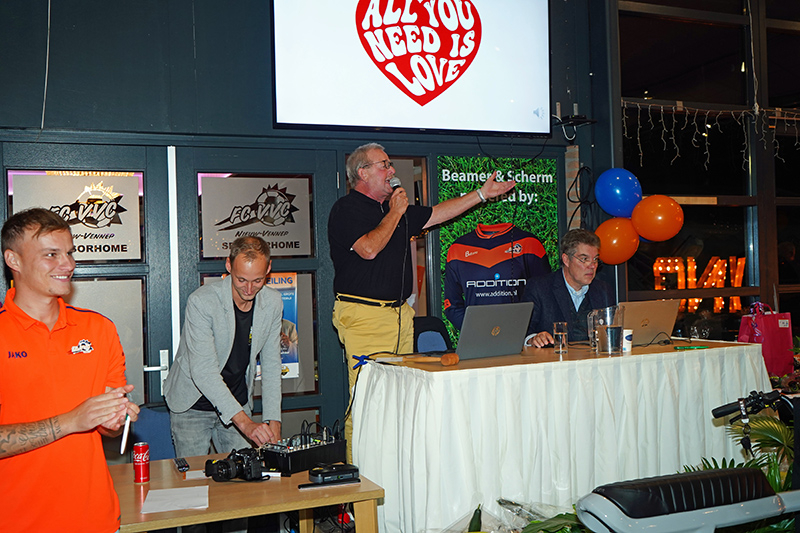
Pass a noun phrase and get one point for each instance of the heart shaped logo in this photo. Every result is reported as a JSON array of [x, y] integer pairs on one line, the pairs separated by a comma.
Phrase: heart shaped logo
[[422, 46]]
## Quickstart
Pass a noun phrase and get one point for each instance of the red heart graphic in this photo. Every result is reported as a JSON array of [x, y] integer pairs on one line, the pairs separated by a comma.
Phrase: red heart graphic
[[422, 46]]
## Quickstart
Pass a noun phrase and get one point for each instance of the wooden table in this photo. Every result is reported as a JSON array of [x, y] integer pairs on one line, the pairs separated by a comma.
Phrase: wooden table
[[238, 499], [536, 427]]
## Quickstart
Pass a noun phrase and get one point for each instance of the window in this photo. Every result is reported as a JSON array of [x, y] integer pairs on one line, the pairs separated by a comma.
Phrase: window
[[783, 67], [666, 59], [691, 131], [722, 6]]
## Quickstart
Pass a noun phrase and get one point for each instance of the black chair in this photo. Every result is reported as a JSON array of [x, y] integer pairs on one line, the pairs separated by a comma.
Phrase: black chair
[[431, 335]]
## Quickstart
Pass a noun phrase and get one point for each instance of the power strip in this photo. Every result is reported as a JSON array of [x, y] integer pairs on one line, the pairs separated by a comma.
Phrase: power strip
[[293, 458]]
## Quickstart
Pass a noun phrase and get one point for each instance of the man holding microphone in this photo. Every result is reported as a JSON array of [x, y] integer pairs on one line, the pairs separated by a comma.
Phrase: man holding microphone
[[369, 231]]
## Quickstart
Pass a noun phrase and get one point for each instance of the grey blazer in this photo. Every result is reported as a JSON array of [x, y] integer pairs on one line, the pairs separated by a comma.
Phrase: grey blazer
[[206, 342]]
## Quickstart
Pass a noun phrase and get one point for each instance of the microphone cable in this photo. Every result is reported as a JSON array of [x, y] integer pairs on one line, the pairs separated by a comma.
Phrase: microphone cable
[[395, 183], [402, 286]]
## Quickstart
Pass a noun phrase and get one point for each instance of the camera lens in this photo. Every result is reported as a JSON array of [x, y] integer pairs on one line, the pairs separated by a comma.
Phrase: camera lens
[[221, 470], [227, 469], [244, 464]]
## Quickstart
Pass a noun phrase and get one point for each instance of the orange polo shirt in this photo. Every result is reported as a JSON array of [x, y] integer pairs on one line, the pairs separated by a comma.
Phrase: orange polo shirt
[[64, 485]]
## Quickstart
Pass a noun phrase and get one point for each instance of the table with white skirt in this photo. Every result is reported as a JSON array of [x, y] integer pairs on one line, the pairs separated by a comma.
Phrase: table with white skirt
[[540, 428]]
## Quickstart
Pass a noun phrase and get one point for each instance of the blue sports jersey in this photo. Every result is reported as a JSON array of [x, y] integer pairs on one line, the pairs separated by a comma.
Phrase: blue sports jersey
[[490, 265]]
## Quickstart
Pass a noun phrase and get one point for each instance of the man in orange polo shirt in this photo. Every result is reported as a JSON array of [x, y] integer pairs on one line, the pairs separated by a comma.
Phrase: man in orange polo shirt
[[62, 386]]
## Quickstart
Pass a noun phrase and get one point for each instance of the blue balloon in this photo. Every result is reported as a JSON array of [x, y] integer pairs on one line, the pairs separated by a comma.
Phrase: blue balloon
[[618, 191]]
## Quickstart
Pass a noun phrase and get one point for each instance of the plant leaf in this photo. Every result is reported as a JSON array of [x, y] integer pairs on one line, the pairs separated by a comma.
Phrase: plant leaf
[[554, 524], [767, 433]]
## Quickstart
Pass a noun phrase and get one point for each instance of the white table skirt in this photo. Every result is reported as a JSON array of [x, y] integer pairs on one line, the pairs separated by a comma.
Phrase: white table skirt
[[441, 442]]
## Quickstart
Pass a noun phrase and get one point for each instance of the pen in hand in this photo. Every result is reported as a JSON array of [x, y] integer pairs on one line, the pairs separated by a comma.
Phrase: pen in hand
[[125, 434]]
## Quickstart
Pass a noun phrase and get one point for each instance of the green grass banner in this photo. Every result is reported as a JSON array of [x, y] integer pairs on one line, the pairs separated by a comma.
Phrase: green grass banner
[[532, 205]]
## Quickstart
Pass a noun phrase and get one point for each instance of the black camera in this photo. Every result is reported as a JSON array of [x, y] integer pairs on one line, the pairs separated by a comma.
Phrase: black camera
[[243, 464]]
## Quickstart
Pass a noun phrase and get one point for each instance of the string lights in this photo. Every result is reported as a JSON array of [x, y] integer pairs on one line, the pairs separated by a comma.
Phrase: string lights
[[764, 121]]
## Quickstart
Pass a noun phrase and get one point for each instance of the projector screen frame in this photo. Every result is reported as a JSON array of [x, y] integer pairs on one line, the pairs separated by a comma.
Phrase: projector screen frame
[[543, 113]]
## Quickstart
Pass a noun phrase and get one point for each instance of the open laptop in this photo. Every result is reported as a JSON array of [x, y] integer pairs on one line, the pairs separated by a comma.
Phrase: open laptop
[[651, 320], [493, 330]]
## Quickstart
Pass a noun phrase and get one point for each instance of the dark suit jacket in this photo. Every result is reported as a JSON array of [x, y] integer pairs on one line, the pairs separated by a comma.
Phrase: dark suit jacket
[[552, 302]]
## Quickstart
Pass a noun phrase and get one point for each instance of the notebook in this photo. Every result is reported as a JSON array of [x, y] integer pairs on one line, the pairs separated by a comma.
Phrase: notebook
[[493, 330], [651, 320]]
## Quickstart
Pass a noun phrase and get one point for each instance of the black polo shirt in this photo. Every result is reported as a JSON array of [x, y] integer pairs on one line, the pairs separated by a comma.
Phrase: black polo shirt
[[387, 277]]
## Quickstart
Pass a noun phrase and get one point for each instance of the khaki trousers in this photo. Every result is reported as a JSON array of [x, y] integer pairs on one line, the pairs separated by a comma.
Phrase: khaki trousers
[[363, 330]]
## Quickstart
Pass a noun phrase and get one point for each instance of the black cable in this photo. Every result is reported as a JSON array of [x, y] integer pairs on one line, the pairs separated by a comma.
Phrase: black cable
[[402, 286], [662, 342], [355, 386], [320, 427], [537, 156], [581, 201], [355, 383]]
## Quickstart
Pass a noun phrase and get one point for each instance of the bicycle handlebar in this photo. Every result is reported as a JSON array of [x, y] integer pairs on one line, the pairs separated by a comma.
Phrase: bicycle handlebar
[[753, 403]]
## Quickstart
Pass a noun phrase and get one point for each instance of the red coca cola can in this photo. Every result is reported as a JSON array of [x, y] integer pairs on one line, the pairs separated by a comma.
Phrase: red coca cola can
[[141, 462]]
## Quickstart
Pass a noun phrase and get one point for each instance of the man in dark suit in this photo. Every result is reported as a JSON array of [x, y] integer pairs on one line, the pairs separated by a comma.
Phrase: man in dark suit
[[570, 293]]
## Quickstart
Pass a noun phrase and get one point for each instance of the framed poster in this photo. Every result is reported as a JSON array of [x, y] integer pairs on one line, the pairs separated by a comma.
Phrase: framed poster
[[103, 208], [126, 309], [286, 284], [275, 208]]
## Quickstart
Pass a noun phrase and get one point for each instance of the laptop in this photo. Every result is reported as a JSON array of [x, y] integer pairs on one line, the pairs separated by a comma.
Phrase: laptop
[[493, 330], [651, 321]]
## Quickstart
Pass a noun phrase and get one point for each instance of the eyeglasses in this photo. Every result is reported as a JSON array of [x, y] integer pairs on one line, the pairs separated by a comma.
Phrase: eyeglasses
[[386, 164], [586, 260]]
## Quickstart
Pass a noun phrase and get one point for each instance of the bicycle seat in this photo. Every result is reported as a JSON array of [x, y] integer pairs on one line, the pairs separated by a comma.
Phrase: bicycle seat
[[694, 501], [679, 493]]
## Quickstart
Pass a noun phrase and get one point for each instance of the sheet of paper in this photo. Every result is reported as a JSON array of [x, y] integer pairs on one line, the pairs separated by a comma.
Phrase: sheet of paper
[[176, 499], [195, 474]]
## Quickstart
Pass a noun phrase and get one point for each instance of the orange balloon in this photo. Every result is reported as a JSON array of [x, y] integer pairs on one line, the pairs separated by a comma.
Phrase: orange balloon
[[657, 218], [618, 240]]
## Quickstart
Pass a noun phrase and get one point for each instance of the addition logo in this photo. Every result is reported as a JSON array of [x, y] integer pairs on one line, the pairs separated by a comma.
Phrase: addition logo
[[96, 207], [273, 207], [421, 47]]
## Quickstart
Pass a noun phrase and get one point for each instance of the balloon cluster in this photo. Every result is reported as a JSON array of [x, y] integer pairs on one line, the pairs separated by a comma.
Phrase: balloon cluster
[[656, 218]]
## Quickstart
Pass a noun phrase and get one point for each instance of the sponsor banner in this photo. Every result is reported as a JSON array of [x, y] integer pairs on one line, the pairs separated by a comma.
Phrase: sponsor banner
[[286, 284], [277, 209], [532, 205], [101, 207]]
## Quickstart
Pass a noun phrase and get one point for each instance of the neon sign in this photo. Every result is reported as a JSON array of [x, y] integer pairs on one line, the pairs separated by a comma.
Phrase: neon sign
[[716, 272]]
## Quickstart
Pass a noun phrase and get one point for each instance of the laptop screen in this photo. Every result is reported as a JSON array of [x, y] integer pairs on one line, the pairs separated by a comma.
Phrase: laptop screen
[[493, 330], [651, 320]]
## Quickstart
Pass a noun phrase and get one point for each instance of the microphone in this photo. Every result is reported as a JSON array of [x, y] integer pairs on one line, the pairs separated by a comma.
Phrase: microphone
[[394, 183]]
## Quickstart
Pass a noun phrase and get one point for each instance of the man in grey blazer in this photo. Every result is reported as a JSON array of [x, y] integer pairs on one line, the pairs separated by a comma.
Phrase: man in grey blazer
[[228, 323], [569, 293]]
